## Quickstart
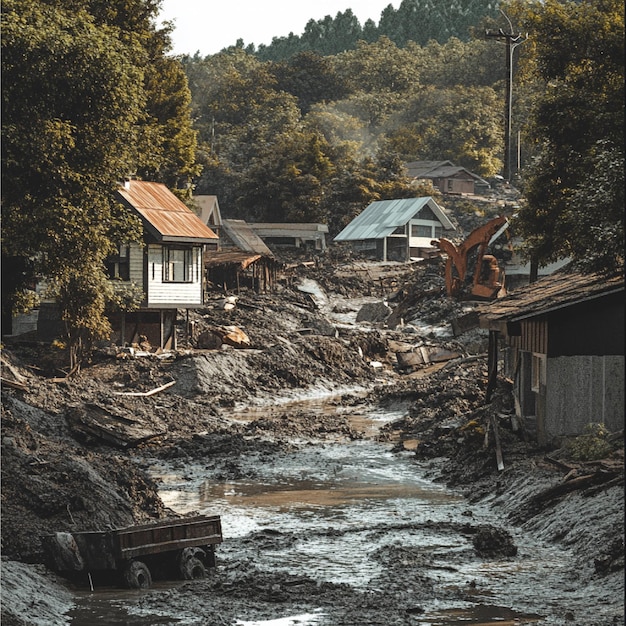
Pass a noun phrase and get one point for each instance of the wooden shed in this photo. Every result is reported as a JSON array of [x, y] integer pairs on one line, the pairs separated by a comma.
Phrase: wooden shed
[[243, 261], [563, 339]]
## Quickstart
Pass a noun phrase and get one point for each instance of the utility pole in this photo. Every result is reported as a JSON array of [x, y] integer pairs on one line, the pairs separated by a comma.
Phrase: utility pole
[[512, 40]]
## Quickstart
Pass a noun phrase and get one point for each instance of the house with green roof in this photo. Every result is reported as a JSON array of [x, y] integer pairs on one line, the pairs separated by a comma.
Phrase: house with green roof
[[398, 230]]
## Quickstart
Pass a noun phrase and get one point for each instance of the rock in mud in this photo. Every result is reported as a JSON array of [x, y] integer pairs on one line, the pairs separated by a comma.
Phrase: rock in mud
[[493, 542], [373, 312]]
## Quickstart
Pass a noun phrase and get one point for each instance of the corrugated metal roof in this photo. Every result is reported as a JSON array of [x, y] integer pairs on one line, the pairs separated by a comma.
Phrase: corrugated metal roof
[[553, 292], [381, 218], [240, 233], [438, 169], [230, 257], [164, 215]]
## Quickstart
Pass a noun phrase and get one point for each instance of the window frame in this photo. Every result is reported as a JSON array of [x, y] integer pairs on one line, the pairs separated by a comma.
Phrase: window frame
[[118, 265], [170, 273], [416, 235], [537, 371]]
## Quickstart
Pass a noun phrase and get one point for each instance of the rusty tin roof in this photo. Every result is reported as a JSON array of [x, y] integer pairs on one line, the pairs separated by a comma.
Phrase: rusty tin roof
[[165, 217]]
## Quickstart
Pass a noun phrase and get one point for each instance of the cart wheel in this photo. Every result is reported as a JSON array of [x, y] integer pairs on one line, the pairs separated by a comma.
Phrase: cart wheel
[[137, 575], [193, 568], [191, 565]]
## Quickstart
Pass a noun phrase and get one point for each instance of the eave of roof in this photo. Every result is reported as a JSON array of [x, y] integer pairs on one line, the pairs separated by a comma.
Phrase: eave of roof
[[233, 257], [555, 292], [165, 217]]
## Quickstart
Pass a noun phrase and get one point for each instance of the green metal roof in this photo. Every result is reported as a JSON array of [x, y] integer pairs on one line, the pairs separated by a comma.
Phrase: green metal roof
[[381, 218]]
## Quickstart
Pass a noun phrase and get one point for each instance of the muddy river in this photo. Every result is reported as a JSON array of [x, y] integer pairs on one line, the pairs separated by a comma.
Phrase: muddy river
[[334, 510]]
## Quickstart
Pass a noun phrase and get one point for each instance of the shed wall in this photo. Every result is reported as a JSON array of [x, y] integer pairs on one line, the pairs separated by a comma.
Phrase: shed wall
[[581, 390], [136, 260]]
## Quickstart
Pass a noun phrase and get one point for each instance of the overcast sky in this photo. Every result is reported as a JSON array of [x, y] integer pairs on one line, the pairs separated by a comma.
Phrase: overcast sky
[[208, 27]]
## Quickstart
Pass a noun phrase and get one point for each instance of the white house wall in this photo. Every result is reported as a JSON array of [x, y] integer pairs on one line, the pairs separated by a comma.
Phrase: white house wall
[[423, 242], [169, 294], [581, 390]]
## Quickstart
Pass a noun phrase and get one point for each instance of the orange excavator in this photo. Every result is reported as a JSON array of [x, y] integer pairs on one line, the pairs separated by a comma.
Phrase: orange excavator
[[488, 278]]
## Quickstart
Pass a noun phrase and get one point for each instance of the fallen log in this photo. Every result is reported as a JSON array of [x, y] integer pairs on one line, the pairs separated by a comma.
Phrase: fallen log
[[560, 464], [94, 422], [574, 484]]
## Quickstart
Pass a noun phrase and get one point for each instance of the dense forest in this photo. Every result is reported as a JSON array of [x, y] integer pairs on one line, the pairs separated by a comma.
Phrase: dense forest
[[311, 128], [317, 138], [419, 21]]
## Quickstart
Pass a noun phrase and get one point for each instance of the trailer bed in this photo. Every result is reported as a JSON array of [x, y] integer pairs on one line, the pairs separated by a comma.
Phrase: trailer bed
[[155, 544]]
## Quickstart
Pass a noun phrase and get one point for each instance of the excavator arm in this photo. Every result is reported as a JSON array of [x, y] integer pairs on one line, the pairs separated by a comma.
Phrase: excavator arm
[[487, 276]]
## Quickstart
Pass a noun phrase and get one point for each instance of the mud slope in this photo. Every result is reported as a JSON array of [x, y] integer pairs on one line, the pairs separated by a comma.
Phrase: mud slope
[[59, 474]]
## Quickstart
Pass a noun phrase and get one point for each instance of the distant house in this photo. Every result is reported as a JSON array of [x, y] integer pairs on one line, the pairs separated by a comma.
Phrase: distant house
[[292, 235], [168, 268], [210, 213], [242, 261], [564, 350], [447, 177], [397, 230], [518, 270]]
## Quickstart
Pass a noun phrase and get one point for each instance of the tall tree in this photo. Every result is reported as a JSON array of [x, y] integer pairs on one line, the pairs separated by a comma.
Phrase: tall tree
[[71, 98], [287, 184], [379, 66], [575, 187], [82, 108]]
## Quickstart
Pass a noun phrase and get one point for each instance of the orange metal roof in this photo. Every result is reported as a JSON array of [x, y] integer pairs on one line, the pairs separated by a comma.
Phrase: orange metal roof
[[170, 220]]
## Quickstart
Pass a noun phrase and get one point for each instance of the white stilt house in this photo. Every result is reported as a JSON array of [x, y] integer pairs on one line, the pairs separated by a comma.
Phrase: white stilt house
[[169, 267]]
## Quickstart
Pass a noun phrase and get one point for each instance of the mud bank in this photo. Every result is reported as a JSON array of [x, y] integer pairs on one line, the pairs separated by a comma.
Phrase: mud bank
[[212, 427]]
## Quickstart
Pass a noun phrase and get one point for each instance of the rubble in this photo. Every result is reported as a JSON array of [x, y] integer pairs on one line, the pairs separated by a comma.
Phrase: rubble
[[74, 454]]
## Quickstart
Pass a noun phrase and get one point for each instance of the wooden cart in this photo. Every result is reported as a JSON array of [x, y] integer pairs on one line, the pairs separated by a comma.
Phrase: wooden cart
[[181, 548]]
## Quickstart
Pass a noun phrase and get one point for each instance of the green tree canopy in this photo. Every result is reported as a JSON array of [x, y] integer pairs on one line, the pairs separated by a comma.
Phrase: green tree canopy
[[82, 108], [463, 125], [310, 77], [575, 187]]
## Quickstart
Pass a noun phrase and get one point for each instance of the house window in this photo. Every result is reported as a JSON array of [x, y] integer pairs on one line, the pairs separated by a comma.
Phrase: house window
[[118, 265], [426, 214], [450, 184], [419, 230], [177, 265], [538, 372], [438, 232]]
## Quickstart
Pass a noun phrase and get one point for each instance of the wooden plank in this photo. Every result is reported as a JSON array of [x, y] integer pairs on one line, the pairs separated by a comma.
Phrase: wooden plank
[[496, 436], [145, 394]]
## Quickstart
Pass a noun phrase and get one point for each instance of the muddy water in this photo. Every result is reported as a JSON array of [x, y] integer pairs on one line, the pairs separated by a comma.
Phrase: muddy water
[[332, 511], [328, 509]]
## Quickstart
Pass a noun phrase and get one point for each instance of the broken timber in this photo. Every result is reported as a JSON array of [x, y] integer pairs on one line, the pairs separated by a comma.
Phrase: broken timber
[[98, 423], [145, 394], [13, 384], [496, 436]]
